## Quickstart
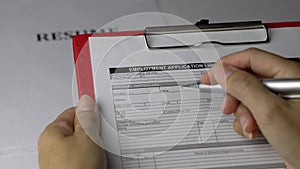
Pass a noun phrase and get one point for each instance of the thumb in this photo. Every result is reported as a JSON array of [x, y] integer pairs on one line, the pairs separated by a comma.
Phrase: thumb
[[246, 88], [87, 120]]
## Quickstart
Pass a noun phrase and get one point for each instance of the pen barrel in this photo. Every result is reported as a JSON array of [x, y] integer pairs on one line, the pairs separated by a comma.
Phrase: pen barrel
[[210, 88], [287, 88]]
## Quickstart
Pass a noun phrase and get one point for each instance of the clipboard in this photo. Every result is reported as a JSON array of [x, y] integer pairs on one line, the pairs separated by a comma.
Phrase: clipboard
[[86, 83], [81, 47]]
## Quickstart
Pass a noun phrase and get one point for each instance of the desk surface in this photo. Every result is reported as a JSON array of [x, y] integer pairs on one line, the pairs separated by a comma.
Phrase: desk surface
[[37, 68]]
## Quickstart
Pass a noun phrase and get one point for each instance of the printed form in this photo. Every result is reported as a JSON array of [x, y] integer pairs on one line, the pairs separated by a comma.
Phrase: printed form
[[160, 124]]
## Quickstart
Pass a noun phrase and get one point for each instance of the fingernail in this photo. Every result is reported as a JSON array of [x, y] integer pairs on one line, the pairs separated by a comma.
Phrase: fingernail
[[250, 136], [86, 103], [221, 71], [244, 123], [223, 106]]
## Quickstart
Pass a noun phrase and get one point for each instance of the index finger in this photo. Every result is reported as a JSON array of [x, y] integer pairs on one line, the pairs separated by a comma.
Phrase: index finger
[[262, 63]]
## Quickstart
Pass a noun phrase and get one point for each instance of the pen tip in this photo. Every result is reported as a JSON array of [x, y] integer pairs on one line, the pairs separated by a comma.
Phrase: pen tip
[[189, 85]]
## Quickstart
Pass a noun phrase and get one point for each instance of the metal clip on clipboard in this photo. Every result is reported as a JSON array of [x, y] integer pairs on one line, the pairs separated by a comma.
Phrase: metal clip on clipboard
[[232, 33]]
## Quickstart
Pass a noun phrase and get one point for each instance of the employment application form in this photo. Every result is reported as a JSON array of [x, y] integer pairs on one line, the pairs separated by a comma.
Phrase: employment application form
[[150, 121]]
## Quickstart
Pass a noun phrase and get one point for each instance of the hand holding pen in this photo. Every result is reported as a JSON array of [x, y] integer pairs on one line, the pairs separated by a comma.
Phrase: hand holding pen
[[254, 105]]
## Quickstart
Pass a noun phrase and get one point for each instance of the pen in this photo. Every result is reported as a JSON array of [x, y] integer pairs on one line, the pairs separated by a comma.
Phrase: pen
[[286, 88]]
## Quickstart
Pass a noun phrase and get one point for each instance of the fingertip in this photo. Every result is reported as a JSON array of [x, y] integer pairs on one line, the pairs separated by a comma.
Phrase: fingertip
[[86, 103], [205, 78], [247, 122], [251, 125], [255, 132], [237, 127], [86, 112], [229, 105], [209, 76], [87, 120]]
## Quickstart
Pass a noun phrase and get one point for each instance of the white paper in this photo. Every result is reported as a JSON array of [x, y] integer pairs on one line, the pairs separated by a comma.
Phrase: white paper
[[150, 121]]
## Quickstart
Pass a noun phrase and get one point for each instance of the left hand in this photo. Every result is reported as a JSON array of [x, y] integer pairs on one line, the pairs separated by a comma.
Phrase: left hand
[[66, 143]]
